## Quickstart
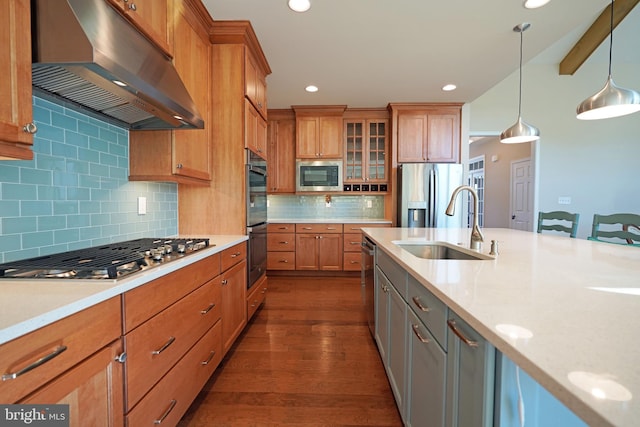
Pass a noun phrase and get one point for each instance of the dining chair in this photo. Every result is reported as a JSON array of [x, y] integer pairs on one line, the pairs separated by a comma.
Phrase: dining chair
[[617, 229], [558, 222]]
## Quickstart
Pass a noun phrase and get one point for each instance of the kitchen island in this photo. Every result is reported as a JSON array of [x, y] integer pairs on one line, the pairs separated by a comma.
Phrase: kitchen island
[[577, 301]]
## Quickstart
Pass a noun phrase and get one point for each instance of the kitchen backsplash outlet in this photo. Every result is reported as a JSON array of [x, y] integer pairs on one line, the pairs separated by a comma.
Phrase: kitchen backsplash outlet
[[75, 192], [315, 207]]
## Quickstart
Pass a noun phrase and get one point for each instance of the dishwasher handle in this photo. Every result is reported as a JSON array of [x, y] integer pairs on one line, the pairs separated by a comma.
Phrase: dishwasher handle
[[368, 247]]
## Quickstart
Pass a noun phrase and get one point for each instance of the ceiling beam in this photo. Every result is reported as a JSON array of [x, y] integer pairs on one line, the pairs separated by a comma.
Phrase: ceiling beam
[[595, 35]]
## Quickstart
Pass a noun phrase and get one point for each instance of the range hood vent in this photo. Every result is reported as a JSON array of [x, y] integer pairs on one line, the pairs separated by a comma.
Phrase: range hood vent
[[81, 48]]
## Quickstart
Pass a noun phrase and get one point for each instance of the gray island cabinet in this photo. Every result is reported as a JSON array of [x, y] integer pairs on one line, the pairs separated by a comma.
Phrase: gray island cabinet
[[442, 372]]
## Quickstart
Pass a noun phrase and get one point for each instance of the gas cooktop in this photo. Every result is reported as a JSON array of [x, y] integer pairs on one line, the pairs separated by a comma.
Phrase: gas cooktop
[[110, 261]]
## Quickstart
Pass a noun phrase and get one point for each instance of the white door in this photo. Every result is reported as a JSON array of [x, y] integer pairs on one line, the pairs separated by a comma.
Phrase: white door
[[521, 195]]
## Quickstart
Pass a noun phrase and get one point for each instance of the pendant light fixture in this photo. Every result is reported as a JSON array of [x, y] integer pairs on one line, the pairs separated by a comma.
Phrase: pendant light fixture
[[611, 101], [521, 131]]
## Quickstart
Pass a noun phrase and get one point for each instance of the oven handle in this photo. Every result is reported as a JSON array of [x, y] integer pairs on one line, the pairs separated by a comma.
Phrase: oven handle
[[256, 169]]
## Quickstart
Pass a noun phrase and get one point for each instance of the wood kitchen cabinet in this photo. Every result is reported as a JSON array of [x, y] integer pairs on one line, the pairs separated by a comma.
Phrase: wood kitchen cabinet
[[319, 132], [281, 149], [319, 247], [234, 293], [366, 141], [220, 206], [352, 257], [150, 18], [255, 85], [426, 133], [281, 246], [16, 111], [83, 368], [255, 131], [182, 156], [256, 296]]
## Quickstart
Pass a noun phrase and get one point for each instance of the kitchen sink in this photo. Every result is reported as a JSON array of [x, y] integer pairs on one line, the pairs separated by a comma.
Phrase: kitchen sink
[[439, 250]]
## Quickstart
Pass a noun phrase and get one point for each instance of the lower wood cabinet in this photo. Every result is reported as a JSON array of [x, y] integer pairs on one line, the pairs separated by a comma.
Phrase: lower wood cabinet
[[322, 251], [234, 303], [256, 296]]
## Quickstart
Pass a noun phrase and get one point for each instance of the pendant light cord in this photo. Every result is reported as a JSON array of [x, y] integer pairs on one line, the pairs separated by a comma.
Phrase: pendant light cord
[[611, 40], [520, 91]]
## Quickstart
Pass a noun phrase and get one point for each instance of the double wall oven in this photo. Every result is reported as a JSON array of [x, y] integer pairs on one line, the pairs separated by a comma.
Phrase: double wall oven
[[256, 178]]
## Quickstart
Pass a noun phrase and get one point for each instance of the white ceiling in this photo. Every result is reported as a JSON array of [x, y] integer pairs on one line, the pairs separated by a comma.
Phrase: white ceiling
[[367, 53]]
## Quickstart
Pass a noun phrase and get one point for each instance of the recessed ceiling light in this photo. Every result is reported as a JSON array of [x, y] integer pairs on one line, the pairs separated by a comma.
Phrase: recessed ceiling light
[[311, 88], [534, 4], [449, 87], [299, 5]]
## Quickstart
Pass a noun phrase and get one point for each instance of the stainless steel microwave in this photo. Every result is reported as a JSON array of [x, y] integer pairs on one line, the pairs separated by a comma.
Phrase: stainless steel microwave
[[319, 175]]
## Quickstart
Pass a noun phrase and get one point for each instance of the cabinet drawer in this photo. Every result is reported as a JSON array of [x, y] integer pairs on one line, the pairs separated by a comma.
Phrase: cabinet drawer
[[429, 309], [281, 260], [181, 385], [157, 344], [281, 242], [352, 261], [352, 242], [82, 334], [233, 255], [146, 301], [396, 274], [356, 228], [318, 228], [281, 228], [257, 296]]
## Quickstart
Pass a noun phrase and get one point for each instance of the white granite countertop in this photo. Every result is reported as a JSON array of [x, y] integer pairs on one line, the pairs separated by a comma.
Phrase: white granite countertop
[[579, 300], [328, 221], [31, 304]]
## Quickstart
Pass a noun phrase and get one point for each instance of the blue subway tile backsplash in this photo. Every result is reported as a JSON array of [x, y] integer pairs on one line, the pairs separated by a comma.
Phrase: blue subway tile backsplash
[[75, 192]]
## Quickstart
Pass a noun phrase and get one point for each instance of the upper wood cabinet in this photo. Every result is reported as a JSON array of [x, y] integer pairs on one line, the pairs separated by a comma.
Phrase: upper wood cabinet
[[255, 131], [319, 131], [281, 148], [366, 141], [255, 85], [16, 110], [181, 156], [150, 17], [426, 132]]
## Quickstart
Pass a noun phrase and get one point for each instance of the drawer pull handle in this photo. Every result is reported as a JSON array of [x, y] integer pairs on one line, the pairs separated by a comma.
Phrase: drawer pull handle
[[416, 330], [283, 228], [418, 303], [209, 359], [454, 328], [237, 254], [167, 412], [39, 362], [355, 262], [284, 242], [356, 243], [264, 290], [306, 228], [164, 347], [284, 261], [331, 228], [208, 309]]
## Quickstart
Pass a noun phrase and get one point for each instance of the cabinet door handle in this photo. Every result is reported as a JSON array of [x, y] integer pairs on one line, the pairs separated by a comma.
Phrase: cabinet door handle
[[164, 347], [454, 328], [224, 282], [418, 303], [30, 128], [209, 359], [416, 331], [167, 412], [208, 309], [44, 359]]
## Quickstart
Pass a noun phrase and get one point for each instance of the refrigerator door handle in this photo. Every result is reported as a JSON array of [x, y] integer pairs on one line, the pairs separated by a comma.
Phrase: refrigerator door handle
[[431, 218]]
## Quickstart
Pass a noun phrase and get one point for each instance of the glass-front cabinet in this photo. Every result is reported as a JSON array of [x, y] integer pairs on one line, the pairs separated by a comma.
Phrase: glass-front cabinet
[[365, 164]]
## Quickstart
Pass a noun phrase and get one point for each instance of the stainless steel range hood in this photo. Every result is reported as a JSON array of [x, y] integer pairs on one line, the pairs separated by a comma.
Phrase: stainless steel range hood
[[81, 47]]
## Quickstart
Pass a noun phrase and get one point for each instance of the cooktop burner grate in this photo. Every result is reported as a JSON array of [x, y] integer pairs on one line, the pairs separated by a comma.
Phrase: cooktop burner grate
[[103, 262]]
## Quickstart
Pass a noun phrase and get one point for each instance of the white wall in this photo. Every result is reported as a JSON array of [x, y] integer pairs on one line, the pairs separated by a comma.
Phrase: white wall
[[595, 163]]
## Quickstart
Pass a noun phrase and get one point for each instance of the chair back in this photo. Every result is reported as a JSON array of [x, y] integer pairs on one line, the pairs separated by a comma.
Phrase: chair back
[[558, 222], [622, 228]]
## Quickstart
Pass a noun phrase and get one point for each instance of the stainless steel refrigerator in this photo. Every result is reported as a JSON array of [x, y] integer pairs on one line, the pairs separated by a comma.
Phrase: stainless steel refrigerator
[[424, 190]]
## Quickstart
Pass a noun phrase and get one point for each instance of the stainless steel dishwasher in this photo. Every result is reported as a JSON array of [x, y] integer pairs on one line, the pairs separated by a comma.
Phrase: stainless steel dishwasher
[[368, 281]]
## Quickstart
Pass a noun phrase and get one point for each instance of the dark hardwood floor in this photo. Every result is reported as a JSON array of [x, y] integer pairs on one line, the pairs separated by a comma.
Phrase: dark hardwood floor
[[306, 359]]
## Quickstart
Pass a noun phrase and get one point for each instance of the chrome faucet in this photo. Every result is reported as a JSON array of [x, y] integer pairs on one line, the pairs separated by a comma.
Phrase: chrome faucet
[[476, 235]]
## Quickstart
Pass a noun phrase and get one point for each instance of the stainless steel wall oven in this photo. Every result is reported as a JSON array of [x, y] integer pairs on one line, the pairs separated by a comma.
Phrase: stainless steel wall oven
[[256, 178]]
